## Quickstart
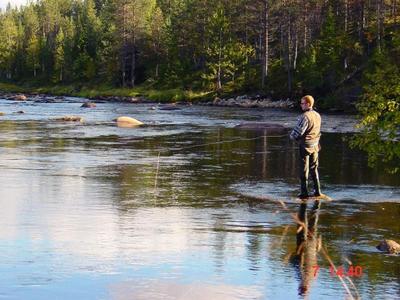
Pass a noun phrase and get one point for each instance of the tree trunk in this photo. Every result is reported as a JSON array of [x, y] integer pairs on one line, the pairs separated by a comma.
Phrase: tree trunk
[[124, 44], [123, 67], [133, 67], [305, 25], [281, 49], [346, 11], [289, 56], [265, 48], [295, 52], [379, 24], [219, 84], [133, 57], [362, 17]]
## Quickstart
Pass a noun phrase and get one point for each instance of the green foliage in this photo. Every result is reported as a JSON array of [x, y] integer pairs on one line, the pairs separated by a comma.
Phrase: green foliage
[[227, 58], [380, 112], [59, 56], [277, 84], [84, 67], [321, 67], [8, 45], [309, 75], [32, 54], [232, 60]]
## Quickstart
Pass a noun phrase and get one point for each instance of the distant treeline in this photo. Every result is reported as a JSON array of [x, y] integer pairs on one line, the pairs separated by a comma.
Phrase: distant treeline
[[283, 48]]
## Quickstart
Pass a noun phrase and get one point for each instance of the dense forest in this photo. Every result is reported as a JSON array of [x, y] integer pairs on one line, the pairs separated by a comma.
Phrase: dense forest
[[342, 51], [284, 47]]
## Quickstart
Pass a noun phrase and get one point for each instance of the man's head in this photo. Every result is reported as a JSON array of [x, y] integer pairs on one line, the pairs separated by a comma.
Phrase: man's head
[[307, 102]]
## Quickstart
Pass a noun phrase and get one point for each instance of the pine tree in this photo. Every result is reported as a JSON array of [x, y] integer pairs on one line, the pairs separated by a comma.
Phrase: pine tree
[[32, 47], [131, 24], [8, 45], [59, 57]]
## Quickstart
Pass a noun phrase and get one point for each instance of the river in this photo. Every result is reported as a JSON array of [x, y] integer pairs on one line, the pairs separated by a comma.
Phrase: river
[[185, 207]]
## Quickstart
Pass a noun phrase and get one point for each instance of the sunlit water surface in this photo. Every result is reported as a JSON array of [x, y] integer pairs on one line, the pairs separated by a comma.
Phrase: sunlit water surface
[[186, 207]]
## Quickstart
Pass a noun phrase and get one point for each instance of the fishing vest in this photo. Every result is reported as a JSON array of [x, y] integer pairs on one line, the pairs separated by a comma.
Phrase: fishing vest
[[312, 134]]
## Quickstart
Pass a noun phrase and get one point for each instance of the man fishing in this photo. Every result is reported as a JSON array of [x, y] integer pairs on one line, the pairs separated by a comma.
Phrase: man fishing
[[307, 132]]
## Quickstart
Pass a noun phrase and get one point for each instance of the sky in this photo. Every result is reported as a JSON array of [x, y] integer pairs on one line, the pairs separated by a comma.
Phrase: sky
[[3, 3]]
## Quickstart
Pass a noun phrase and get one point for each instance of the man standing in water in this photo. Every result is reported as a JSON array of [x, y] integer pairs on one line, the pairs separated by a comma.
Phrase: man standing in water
[[307, 132]]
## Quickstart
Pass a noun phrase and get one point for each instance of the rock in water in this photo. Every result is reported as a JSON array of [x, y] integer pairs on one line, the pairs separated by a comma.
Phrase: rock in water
[[20, 97], [169, 107], [127, 122], [88, 105], [70, 119], [389, 246]]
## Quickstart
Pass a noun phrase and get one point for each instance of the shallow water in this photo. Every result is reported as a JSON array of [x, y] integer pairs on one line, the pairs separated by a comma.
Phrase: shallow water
[[186, 207]]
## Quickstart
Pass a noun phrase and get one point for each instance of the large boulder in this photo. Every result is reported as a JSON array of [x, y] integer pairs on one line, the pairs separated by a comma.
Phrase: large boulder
[[20, 97], [127, 122], [389, 246]]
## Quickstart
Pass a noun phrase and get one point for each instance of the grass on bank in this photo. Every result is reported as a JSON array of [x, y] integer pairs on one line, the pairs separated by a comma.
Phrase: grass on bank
[[160, 95]]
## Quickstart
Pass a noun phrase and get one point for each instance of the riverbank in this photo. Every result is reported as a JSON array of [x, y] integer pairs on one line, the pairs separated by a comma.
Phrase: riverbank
[[148, 94], [140, 95], [104, 92]]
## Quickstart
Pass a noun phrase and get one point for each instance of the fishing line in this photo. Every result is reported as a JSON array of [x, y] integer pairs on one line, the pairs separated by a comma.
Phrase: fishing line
[[228, 141]]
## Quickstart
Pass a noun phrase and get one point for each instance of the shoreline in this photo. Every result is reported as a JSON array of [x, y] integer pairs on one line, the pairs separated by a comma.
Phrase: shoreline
[[240, 101], [149, 94]]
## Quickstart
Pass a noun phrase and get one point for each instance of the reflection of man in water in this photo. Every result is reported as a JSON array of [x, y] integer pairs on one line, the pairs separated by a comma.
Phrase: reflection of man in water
[[307, 132], [308, 245]]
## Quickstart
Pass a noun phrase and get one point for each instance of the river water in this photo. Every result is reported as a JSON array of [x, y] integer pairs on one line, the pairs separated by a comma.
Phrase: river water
[[185, 207]]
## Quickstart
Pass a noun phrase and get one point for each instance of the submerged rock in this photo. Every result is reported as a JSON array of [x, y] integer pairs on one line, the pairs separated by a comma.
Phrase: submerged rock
[[169, 107], [70, 119], [47, 100], [88, 105], [389, 246]]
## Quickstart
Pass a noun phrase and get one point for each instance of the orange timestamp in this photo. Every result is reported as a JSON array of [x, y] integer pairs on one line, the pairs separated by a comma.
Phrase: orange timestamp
[[351, 271]]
